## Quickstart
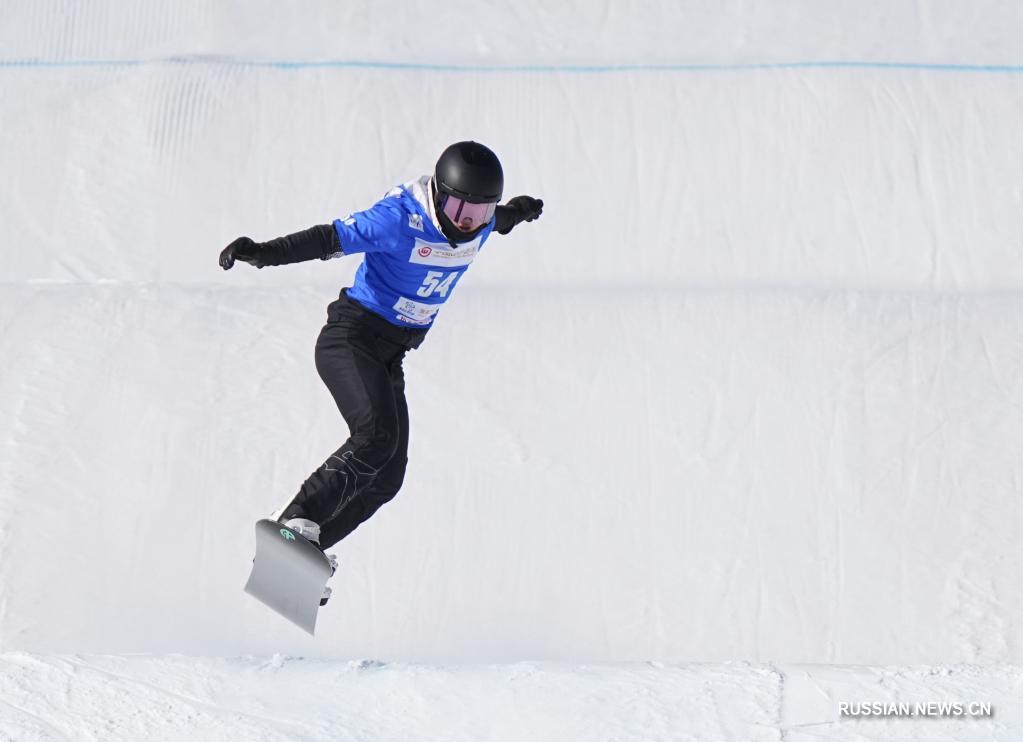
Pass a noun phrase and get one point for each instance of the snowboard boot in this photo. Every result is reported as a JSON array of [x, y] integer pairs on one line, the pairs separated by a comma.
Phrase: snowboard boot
[[307, 529], [310, 531]]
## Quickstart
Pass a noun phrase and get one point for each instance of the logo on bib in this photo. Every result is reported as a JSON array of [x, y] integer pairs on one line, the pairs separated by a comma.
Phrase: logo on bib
[[444, 256], [414, 312]]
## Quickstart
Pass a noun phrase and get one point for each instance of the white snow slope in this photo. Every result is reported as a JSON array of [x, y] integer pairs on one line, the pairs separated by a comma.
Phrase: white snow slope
[[278, 698], [750, 390]]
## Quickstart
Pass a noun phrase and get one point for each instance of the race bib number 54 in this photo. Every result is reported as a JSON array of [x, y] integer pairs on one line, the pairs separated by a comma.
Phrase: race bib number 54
[[437, 282]]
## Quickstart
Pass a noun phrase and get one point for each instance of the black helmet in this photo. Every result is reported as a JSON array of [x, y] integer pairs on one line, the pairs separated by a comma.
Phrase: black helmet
[[470, 172]]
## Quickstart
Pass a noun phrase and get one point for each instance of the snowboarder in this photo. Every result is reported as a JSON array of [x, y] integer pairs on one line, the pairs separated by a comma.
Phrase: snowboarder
[[418, 241]]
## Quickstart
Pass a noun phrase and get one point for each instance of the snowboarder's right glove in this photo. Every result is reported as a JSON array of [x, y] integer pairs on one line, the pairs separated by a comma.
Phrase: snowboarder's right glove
[[243, 249], [320, 242]]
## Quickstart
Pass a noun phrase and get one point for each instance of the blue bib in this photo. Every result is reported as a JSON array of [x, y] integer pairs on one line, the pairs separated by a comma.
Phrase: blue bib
[[410, 268]]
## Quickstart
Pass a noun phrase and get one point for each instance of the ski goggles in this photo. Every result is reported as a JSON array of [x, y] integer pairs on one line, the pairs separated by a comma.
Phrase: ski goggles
[[467, 215]]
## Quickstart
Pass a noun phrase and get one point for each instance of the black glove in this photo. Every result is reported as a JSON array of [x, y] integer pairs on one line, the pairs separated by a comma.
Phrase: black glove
[[320, 242], [518, 209], [243, 249], [528, 208]]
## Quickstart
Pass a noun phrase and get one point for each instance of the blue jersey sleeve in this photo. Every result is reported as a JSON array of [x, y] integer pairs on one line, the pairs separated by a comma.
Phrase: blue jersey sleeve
[[377, 229]]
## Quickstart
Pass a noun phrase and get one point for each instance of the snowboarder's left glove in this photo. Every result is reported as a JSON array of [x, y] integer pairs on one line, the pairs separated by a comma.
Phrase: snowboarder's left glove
[[529, 208], [518, 209]]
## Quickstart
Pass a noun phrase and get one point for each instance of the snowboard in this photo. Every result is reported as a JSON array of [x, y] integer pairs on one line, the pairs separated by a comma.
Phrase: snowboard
[[288, 574]]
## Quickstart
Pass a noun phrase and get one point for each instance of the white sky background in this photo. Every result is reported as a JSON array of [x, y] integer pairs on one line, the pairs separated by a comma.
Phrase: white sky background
[[749, 390]]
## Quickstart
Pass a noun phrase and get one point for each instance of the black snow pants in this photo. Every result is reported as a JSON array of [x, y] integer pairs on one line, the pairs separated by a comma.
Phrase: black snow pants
[[358, 356]]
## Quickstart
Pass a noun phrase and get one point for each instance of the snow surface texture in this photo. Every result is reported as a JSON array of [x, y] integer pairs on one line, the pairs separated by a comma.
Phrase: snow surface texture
[[750, 390], [125, 699], [708, 475]]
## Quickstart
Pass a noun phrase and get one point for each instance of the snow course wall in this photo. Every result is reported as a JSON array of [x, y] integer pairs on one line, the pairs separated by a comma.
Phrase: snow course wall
[[750, 389]]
